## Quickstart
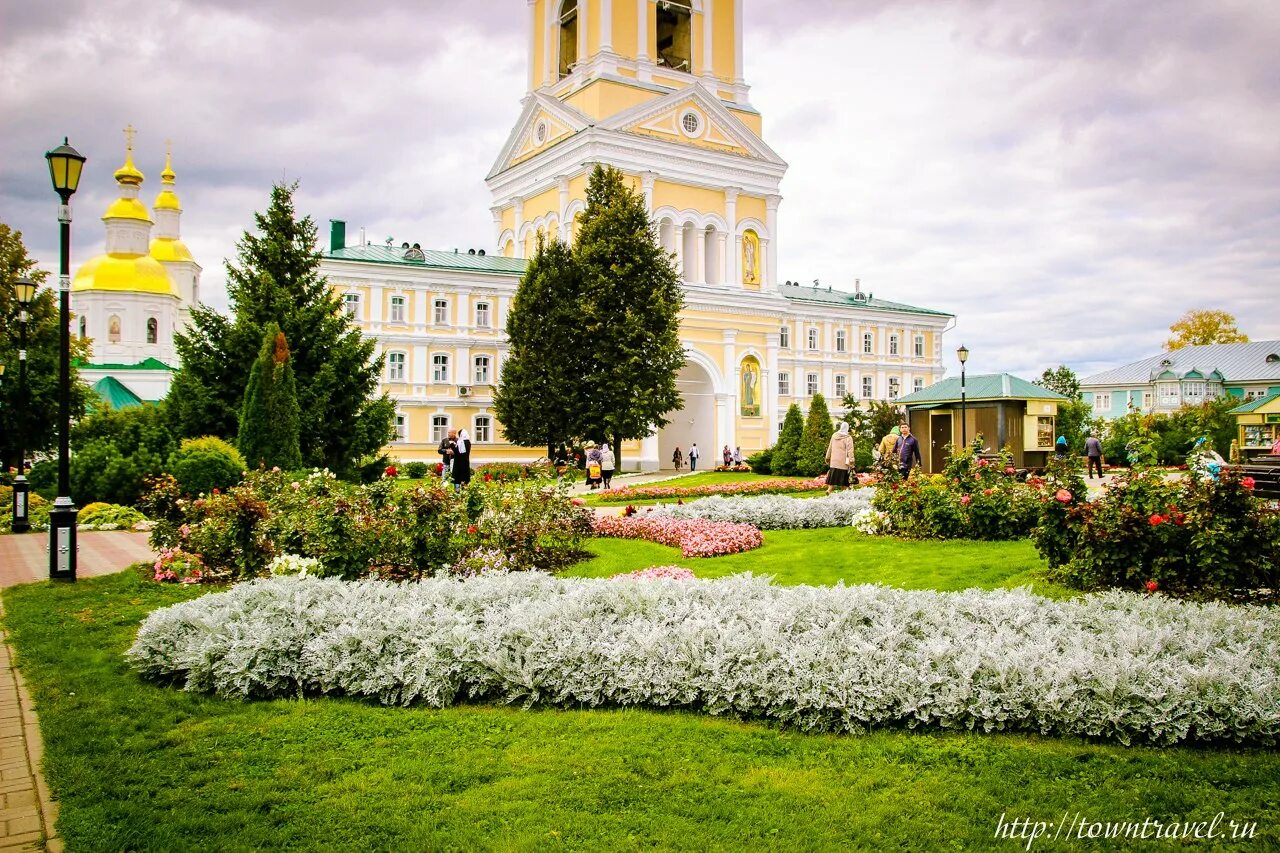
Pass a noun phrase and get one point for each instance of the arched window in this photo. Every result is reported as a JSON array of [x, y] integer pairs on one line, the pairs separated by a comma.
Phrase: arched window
[[113, 329], [568, 36], [84, 327], [482, 370], [153, 330], [675, 34]]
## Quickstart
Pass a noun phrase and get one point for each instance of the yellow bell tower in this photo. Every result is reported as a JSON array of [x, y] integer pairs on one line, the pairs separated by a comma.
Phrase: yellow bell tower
[[654, 88]]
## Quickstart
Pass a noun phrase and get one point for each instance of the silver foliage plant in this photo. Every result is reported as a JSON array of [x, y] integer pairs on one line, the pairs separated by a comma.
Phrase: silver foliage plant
[[1116, 665], [778, 512]]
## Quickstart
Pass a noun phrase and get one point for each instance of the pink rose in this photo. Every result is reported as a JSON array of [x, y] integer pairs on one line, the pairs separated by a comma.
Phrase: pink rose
[[1248, 483], [1063, 496], [965, 500]]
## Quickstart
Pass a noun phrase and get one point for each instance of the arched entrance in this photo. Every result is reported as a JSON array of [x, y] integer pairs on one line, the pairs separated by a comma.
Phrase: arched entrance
[[696, 422]]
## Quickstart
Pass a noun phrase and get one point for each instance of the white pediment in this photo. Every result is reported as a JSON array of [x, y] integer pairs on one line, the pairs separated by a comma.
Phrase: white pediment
[[543, 122]]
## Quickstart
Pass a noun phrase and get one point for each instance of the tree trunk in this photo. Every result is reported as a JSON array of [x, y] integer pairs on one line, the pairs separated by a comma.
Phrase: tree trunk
[[617, 453]]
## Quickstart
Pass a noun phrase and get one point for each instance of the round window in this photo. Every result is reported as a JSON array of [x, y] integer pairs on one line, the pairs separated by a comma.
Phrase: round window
[[540, 132], [691, 124]]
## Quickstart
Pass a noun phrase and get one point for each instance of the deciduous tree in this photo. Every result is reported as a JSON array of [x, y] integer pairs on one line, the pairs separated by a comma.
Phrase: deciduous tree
[[1199, 327]]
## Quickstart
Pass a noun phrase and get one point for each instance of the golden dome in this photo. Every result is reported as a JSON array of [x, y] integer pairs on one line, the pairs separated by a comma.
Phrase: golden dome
[[170, 249], [124, 273], [129, 173], [127, 208], [167, 198]]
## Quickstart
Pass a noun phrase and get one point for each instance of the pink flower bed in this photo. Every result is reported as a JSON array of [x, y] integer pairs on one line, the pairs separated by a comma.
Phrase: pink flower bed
[[758, 487], [657, 573], [694, 537]]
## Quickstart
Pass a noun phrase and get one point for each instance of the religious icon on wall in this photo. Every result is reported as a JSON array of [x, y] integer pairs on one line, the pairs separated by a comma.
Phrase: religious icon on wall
[[750, 387], [750, 258]]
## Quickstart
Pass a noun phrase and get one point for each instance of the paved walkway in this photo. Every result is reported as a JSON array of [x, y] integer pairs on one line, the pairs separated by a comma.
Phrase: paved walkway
[[27, 811]]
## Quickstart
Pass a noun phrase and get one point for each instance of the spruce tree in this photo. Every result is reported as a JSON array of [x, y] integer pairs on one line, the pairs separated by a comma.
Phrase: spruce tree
[[630, 315], [28, 421], [540, 392], [276, 279], [811, 458], [269, 416], [785, 451]]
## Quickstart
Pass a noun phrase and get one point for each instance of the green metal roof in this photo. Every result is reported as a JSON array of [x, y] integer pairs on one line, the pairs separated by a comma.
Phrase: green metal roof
[[116, 395], [1254, 404], [992, 386], [432, 259], [826, 296], [145, 364]]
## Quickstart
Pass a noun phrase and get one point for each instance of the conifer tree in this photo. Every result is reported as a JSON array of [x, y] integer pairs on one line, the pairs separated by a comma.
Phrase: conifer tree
[[539, 394], [630, 315], [276, 279], [269, 417], [811, 458], [786, 450]]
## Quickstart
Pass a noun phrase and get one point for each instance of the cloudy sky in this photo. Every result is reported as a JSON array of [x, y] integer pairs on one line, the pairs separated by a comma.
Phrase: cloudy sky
[[1066, 177]]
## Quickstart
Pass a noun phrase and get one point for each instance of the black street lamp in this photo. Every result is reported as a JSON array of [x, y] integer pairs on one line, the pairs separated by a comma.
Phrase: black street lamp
[[65, 165], [963, 355], [24, 289]]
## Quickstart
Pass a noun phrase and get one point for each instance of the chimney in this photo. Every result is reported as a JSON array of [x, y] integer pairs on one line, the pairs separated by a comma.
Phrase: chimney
[[857, 285], [337, 235]]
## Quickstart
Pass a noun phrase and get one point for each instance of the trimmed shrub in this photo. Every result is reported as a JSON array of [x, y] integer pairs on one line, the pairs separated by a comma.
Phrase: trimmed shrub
[[201, 465], [762, 462], [416, 470], [786, 451], [811, 456]]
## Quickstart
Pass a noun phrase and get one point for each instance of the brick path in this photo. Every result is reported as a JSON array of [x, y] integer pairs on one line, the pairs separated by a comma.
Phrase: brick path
[[27, 811]]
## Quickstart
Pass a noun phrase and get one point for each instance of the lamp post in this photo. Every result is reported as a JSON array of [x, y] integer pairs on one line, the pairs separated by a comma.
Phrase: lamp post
[[65, 165], [963, 355], [25, 292]]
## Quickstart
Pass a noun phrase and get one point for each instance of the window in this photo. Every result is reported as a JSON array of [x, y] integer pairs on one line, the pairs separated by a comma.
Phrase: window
[[568, 36], [841, 343], [691, 124], [397, 309], [893, 345], [84, 327], [779, 427], [866, 388], [675, 29], [1168, 393], [482, 315], [919, 346], [917, 384], [1102, 402], [113, 329], [441, 312], [813, 339], [482, 429], [868, 343], [1044, 432], [351, 304], [1194, 391], [811, 384], [153, 330], [401, 430], [784, 384], [1146, 400], [395, 367], [893, 387], [784, 337], [842, 385], [440, 368], [482, 370], [439, 428]]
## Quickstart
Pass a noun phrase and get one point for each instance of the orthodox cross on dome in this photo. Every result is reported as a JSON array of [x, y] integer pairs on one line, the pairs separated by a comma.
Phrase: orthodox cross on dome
[[129, 133]]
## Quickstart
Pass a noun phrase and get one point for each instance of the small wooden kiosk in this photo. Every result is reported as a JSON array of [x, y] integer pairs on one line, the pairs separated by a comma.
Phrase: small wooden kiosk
[[1258, 422], [1003, 409]]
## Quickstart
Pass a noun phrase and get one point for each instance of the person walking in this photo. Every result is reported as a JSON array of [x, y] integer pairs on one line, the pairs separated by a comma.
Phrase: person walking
[[693, 457], [461, 470], [594, 466], [839, 459], [727, 456], [447, 448], [607, 461], [676, 459], [888, 449], [1093, 450], [908, 451]]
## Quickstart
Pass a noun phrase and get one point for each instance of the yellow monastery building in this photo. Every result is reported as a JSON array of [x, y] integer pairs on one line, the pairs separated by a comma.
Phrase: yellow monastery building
[[656, 90]]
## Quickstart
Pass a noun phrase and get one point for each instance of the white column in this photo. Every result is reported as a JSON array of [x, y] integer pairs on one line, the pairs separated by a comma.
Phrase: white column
[[606, 25], [708, 38], [517, 223], [419, 372], [700, 255], [421, 303], [771, 257], [644, 58], [647, 180], [462, 311], [563, 182], [722, 265], [733, 371], [584, 49], [733, 267], [769, 398], [678, 232]]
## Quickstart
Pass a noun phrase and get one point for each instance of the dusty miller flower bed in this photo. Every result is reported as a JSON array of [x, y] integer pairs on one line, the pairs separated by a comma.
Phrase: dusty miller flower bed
[[777, 512], [1117, 665]]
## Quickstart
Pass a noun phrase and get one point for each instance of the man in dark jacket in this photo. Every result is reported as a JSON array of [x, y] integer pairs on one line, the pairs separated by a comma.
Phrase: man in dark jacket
[[448, 446], [908, 451]]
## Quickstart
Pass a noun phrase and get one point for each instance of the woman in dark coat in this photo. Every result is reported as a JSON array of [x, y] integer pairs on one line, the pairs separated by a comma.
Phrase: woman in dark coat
[[462, 461]]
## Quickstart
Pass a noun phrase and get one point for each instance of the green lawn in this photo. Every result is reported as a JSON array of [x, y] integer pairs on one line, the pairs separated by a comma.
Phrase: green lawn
[[826, 556], [702, 478], [141, 766]]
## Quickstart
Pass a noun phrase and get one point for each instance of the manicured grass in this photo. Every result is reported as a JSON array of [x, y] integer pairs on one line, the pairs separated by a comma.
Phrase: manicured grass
[[701, 478], [148, 767], [826, 556]]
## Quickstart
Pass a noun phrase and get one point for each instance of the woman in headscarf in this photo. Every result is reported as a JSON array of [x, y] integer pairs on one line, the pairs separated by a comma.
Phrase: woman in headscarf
[[461, 472], [839, 458], [1060, 447]]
